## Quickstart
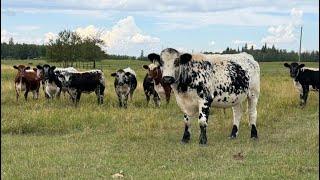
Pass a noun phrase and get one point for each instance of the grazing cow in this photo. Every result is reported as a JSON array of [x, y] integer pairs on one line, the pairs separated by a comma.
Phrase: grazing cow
[[125, 83], [155, 72], [51, 85], [304, 79], [26, 80], [200, 81], [83, 82]]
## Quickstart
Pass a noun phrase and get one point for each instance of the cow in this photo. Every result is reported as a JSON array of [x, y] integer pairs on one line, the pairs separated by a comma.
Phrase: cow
[[26, 80], [304, 79], [124, 84], [155, 72], [148, 88], [200, 81], [52, 87], [83, 82]]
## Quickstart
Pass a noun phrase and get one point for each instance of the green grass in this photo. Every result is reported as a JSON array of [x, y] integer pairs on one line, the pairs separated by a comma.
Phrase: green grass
[[53, 139]]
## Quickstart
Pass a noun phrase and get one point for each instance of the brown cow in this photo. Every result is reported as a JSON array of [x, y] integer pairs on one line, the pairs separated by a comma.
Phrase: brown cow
[[26, 80], [155, 73]]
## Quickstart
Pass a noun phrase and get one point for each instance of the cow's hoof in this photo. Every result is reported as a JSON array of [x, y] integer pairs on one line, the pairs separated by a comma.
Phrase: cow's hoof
[[234, 132], [203, 140], [183, 141], [255, 138], [254, 132], [203, 145]]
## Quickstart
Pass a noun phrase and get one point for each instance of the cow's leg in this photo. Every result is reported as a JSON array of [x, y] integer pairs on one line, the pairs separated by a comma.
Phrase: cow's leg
[[147, 93], [237, 113], [58, 93], [34, 94], [167, 96], [26, 94], [120, 100], [125, 101], [304, 97], [186, 135], [17, 93], [78, 95], [156, 99], [252, 102], [204, 109]]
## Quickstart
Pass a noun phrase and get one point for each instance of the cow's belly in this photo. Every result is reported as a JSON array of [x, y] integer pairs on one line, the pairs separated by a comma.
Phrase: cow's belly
[[228, 100], [20, 86], [299, 89], [51, 89], [188, 102], [160, 90]]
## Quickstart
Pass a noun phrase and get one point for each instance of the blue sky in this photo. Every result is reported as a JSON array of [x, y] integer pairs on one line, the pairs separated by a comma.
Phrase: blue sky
[[191, 26]]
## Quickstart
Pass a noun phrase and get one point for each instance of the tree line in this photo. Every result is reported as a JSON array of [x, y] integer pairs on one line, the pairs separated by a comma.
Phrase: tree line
[[69, 48], [267, 54]]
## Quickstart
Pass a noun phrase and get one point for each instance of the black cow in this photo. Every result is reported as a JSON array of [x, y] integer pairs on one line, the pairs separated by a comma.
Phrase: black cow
[[305, 79], [125, 83], [148, 87], [83, 82]]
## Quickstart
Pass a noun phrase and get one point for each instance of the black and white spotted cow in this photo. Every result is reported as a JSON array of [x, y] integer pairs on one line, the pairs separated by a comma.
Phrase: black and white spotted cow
[[125, 83], [200, 81], [304, 79], [52, 86], [83, 82]]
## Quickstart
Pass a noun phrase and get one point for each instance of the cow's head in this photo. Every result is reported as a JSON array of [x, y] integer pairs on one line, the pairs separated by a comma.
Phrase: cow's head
[[46, 71], [21, 69], [64, 78], [172, 63], [121, 77], [294, 68], [153, 70]]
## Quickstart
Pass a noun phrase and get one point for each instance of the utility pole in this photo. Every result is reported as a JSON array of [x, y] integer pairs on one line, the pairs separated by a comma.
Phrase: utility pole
[[300, 43]]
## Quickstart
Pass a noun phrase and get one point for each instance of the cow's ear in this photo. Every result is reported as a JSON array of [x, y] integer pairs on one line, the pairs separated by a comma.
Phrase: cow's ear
[[154, 57], [113, 74], [16, 67], [301, 65], [52, 67], [127, 73], [286, 65], [146, 67], [185, 58], [27, 68], [39, 67]]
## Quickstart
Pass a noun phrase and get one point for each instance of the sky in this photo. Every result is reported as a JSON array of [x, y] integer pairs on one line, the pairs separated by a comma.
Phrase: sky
[[129, 26]]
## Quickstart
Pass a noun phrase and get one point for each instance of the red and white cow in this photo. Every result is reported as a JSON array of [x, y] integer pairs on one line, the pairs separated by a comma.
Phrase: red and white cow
[[26, 80]]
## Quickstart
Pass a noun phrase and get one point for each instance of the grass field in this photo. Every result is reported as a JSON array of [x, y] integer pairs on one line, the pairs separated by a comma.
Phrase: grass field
[[43, 139]]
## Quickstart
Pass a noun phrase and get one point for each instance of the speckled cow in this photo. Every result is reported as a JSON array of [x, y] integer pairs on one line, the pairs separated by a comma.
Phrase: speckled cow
[[202, 81]]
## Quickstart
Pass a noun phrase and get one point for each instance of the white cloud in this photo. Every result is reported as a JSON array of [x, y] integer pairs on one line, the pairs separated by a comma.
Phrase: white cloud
[[212, 43], [141, 39], [285, 33], [5, 35], [124, 36], [49, 36]]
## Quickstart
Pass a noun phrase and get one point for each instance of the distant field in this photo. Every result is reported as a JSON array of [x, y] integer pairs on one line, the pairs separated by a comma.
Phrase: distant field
[[54, 140]]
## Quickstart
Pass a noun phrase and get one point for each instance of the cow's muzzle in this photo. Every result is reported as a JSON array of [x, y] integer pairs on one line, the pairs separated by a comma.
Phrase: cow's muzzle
[[168, 79]]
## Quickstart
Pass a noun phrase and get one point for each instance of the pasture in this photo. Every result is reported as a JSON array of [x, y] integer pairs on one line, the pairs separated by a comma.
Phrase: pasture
[[54, 139]]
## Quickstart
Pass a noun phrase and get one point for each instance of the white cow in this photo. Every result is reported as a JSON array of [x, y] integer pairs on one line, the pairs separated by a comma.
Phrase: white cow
[[202, 81]]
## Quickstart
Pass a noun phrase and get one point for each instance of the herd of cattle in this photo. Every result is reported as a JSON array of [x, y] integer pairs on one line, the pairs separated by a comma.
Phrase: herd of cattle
[[198, 82]]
